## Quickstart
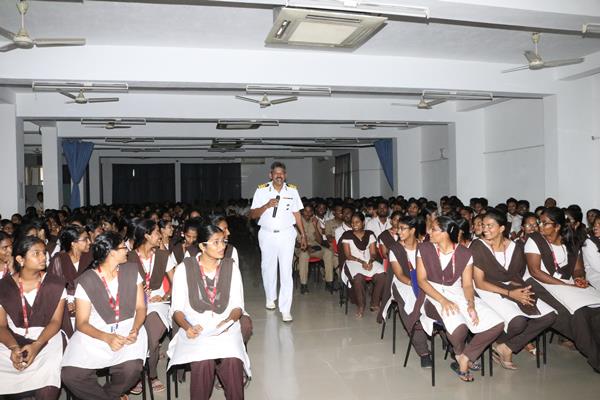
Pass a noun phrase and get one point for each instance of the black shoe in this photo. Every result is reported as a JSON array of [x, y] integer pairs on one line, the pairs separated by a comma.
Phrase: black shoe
[[329, 287], [303, 289], [426, 361]]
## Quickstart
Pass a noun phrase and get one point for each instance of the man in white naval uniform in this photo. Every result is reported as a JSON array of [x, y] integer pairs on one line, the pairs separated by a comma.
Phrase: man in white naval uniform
[[277, 207]]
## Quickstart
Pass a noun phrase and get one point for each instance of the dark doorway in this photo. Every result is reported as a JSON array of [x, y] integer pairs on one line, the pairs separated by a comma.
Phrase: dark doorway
[[212, 182], [143, 183]]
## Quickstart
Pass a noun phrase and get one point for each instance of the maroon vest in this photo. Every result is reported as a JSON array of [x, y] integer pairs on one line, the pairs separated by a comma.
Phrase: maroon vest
[[179, 252], [361, 244], [62, 266], [161, 258], [433, 267], [566, 272], [198, 297], [496, 274], [40, 312], [96, 291]]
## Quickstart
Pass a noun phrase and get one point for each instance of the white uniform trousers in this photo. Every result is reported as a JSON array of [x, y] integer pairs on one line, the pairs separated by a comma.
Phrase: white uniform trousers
[[274, 247]]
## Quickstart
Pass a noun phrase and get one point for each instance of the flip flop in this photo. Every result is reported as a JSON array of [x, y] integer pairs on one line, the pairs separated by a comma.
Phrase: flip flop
[[505, 364], [137, 389], [463, 376], [475, 365]]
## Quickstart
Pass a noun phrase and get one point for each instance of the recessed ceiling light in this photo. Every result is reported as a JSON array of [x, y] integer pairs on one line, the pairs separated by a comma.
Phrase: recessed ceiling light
[[245, 124]]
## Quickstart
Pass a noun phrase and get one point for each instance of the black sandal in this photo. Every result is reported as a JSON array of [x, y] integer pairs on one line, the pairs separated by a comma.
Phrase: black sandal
[[463, 376]]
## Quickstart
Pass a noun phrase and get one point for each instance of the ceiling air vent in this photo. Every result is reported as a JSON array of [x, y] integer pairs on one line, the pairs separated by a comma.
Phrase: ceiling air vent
[[304, 27]]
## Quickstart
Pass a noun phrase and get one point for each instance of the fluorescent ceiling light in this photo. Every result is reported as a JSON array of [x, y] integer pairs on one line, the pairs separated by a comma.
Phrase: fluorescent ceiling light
[[381, 124], [308, 151], [590, 29], [128, 140], [289, 90], [245, 124], [456, 95], [305, 27], [364, 6], [119, 121], [226, 150], [140, 150], [52, 86]]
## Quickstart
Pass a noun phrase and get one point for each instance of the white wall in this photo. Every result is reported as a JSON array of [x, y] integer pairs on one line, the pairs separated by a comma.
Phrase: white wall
[[323, 177], [299, 173], [408, 163], [435, 170], [372, 181], [514, 151]]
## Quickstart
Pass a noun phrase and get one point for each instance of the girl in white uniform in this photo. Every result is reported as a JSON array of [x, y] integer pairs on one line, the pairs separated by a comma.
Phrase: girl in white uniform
[[6, 258], [360, 264], [154, 268], [445, 275], [110, 312], [555, 271], [591, 255], [31, 310], [499, 266], [207, 304]]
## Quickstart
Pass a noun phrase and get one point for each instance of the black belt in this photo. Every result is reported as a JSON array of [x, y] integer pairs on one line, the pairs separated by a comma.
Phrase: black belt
[[274, 230]]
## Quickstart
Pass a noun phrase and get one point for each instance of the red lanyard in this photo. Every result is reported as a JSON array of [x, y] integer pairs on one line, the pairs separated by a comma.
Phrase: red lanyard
[[556, 266], [453, 261], [24, 303], [112, 302], [149, 272], [212, 295]]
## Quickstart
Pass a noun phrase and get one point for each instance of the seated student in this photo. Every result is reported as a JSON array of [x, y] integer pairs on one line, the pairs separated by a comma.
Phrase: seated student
[[530, 224], [153, 267], [316, 248], [555, 272], [381, 221], [499, 267], [445, 276], [68, 264], [207, 304], [360, 261], [390, 235], [402, 256], [477, 228], [31, 312], [231, 252], [110, 313], [188, 246], [345, 226], [166, 234], [591, 255], [6, 259]]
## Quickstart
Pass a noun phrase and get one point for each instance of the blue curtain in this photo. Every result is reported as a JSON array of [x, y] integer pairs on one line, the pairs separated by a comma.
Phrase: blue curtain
[[78, 155], [385, 153]]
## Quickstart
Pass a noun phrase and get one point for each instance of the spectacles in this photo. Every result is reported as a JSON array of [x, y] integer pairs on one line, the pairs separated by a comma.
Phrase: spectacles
[[542, 223], [85, 239], [404, 228], [217, 242], [530, 226], [438, 229], [490, 226]]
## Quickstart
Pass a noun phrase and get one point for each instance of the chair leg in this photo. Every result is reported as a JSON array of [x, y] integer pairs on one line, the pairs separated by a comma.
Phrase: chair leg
[[537, 351], [143, 376], [346, 298], [433, 359], [149, 381], [383, 323], [168, 383], [490, 361], [394, 332], [410, 339], [545, 350]]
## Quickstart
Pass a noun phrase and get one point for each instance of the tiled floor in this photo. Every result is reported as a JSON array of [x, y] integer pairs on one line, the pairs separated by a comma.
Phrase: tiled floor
[[325, 354]]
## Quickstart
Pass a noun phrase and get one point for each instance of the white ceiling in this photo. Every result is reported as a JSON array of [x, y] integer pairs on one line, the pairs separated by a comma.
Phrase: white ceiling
[[228, 27]]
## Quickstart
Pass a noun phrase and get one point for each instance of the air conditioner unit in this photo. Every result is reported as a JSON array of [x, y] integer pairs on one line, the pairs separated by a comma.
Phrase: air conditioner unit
[[305, 27]]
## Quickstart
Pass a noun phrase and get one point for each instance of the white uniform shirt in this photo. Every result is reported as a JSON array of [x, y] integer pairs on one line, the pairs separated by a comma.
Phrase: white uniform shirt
[[515, 222], [377, 227], [339, 231], [289, 203]]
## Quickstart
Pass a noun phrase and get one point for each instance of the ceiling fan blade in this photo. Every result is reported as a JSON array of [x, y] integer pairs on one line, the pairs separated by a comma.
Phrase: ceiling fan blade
[[436, 102], [404, 104], [516, 69], [102, 99], [561, 63], [8, 47], [58, 42], [531, 56], [119, 127], [284, 100], [72, 102], [247, 99], [6, 33], [69, 95]]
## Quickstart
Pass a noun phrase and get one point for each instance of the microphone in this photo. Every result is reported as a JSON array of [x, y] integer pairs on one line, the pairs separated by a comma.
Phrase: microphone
[[275, 208]]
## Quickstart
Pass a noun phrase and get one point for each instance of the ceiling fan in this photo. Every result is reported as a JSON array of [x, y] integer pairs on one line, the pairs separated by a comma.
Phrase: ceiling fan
[[117, 123], [22, 40], [81, 99], [423, 104], [265, 102], [536, 62]]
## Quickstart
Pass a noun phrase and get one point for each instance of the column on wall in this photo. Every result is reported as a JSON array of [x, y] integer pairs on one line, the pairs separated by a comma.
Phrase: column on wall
[[13, 162], [52, 165], [408, 163]]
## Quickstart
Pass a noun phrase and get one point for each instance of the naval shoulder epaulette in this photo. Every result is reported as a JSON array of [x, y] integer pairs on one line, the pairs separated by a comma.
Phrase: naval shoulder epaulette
[[263, 185], [291, 186]]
